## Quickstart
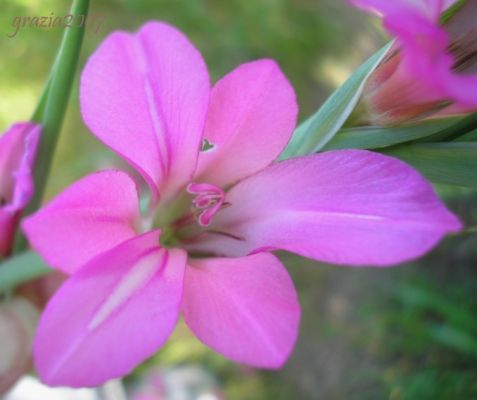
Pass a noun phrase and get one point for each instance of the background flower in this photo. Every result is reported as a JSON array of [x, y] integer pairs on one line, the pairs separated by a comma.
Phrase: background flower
[[430, 71], [17, 155]]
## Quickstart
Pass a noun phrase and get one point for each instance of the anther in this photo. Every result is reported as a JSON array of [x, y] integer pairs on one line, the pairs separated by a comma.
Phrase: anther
[[208, 201]]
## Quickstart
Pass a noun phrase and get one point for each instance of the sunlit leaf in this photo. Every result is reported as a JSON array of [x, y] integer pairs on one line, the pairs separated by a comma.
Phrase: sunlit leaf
[[319, 129]]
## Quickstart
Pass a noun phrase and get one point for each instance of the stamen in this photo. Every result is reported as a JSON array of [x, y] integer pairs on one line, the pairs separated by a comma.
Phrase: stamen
[[208, 202], [3, 201]]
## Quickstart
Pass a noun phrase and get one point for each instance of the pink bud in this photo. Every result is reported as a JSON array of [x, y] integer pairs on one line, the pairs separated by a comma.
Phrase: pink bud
[[17, 153], [431, 71]]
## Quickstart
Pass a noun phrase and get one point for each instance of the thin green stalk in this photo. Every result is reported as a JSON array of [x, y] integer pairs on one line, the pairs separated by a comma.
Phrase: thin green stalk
[[40, 107], [52, 107]]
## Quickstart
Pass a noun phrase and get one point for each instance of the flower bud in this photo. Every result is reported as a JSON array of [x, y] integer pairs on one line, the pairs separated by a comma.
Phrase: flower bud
[[431, 71]]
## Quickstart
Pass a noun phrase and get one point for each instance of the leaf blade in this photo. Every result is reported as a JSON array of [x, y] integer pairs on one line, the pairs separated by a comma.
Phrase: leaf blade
[[375, 137], [21, 268], [317, 130], [453, 163]]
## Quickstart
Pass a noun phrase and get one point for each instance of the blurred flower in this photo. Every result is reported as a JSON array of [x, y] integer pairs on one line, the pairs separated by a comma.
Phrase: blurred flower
[[18, 319], [432, 68], [17, 152], [221, 211]]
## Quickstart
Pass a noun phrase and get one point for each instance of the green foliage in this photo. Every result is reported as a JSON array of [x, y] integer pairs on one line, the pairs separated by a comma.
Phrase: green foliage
[[376, 137], [21, 268], [319, 129], [453, 163], [51, 108], [439, 362]]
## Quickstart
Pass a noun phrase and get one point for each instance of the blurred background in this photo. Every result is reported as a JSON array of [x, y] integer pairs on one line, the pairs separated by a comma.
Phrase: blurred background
[[400, 333]]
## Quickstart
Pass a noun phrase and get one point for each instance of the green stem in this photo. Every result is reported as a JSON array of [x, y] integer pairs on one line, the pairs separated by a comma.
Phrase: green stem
[[20, 269], [40, 107], [52, 107]]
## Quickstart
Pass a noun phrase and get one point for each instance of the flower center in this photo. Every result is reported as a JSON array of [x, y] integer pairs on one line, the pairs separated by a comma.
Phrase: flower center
[[208, 200]]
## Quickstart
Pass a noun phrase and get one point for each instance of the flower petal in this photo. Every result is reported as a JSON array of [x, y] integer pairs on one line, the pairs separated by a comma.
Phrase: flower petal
[[245, 308], [350, 207], [430, 9], [429, 62], [145, 95], [112, 315], [252, 115], [91, 216], [430, 76], [18, 148], [17, 153], [8, 223]]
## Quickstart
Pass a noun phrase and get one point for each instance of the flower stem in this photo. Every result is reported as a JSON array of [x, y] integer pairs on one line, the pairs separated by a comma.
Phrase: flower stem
[[52, 106]]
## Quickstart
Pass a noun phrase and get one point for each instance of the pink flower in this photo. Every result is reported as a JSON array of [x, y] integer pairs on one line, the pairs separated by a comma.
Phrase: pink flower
[[203, 247], [17, 152], [431, 69]]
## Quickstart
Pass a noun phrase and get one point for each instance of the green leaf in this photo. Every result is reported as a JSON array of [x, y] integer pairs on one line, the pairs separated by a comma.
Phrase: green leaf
[[453, 163], [428, 299], [468, 137], [451, 11], [456, 339], [461, 127], [320, 128], [58, 92], [370, 137], [21, 268], [51, 107]]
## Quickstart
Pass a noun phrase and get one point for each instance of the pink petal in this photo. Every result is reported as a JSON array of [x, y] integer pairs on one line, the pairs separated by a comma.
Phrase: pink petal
[[350, 207], [410, 84], [17, 154], [245, 308], [93, 215], [426, 78], [145, 95], [112, 315], [8, 223], [430, 9], [251, 117], [428, 62]]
